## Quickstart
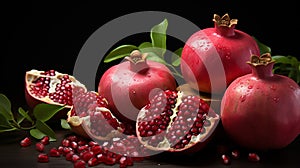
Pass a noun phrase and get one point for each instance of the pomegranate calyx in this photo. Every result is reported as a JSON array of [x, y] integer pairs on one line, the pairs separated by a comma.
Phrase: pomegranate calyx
[[264, 59], [137, 61], [224, 25], [262, 66], [224, 20], [136, 57]]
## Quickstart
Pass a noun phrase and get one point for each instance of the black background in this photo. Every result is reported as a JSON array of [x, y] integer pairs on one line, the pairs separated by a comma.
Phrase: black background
[[49, 35]]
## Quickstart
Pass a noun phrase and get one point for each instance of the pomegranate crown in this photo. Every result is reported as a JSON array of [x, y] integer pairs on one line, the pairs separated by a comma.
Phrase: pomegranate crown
[[136, 57], [224, 20], [264, 59]]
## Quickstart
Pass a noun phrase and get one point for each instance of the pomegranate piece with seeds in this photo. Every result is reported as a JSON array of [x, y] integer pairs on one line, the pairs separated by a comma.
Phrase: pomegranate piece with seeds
[[175, 122], [51, 87], [91, 118]]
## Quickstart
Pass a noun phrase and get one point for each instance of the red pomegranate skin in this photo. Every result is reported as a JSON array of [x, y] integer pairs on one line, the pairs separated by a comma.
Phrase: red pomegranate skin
[[127, 86], [209, 50], [261, 110]]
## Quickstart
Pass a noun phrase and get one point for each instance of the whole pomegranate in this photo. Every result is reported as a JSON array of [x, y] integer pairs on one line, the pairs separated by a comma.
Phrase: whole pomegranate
[[260, 110], [176, 122], [51, 87], [213, 57], [127, 85]]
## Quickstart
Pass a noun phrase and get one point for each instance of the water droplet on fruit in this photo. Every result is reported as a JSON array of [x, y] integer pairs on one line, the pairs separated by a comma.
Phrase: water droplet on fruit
[[250, 87], [273, 87], [243, 98], [228, 57], [276, 99], [133, 92]]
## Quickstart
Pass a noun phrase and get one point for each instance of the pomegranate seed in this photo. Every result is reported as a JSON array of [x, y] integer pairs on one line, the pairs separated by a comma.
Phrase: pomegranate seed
[[25, 142], [235, 154], [54, 152], [253, 157], [72, 138], [93, 162], [110, 161], [74, 145], [69, 156], [80, 164], [43, 158], [45, 140], [96, 149], [65, 143], [75, 157], [225, 159], [39, 147], [66, 150], [87, 155]]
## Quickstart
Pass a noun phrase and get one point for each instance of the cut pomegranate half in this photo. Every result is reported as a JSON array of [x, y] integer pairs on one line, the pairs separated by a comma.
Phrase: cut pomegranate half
[[51, 87], [176, 122]]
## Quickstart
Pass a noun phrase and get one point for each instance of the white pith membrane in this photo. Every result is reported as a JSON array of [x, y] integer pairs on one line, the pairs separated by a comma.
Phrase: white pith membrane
[[165, 144], [33, 76], [82, 124]]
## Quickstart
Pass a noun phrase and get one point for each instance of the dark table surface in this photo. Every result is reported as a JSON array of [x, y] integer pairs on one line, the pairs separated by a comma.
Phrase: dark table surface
[[13, 155]]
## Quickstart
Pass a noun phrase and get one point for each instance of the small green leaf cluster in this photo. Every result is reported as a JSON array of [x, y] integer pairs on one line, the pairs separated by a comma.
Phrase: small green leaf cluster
[[36, 123], [156, 49], [286, 65]]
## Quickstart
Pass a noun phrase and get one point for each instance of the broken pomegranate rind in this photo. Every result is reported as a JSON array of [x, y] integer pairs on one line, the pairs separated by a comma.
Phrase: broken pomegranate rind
[[184, 122], [93, 119], [51, 87]]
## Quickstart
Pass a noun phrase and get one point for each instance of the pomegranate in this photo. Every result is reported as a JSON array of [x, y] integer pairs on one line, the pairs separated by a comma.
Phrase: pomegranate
[[51, 87], [208, 51], [127, 85], [91, 118], [176, 122], [260, 110]]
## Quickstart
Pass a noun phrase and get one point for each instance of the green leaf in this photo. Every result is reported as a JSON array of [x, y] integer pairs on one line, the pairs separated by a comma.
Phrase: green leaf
[[24, 113], [43, 129], [153, 57], [5, 107], [152, 52], [119, 52], [145, 45], [64, 124], [5, 102], [282, 59], [4, 129], [37, 133], [175, 58], [44, 112], [4, 122], [262, 47], [159, 37]]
